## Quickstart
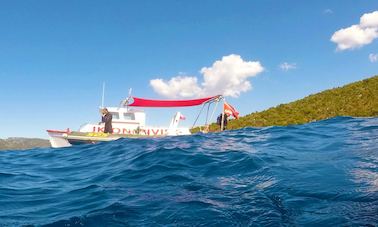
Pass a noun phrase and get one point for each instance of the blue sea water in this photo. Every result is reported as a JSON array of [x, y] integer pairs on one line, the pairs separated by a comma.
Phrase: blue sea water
[[319, 174]]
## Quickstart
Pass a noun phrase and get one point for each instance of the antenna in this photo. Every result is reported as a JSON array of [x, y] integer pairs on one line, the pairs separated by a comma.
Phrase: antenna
[[128, 99], [103, 94]]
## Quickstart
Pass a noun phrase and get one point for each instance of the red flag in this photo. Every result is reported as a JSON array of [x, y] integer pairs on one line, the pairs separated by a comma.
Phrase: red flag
[[182, 117], [230, 110]]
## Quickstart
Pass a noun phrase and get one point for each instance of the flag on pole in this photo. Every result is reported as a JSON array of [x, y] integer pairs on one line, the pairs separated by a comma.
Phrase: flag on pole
[[182, 117], [230, 110]]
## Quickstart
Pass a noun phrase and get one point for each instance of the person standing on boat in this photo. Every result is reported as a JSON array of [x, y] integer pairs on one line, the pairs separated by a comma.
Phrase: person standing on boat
[[107, 119], [219, 121]]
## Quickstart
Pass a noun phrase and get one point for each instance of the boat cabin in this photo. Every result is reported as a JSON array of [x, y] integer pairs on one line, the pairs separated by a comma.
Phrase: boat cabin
[[127, 116]]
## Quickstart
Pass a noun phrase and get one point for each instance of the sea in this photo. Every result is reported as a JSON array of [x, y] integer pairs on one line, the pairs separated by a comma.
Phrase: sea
[[318, 174]]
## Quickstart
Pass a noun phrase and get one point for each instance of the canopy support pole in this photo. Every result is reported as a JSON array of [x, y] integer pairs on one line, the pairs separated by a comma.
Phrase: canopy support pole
[[207, 125], [222, 123]]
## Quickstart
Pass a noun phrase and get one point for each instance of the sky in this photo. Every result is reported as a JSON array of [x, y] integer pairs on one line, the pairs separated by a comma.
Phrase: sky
[[55, 55]]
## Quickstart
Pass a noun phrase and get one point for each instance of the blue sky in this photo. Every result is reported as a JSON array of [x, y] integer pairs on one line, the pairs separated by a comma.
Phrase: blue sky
[[54, 55]]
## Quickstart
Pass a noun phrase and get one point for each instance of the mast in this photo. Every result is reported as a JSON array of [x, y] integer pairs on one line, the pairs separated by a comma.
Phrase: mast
[[103, 95], [128, 99]]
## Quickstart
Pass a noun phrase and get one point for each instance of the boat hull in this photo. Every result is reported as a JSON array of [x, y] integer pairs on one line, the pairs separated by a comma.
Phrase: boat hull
[[69, 138], [92, 133]]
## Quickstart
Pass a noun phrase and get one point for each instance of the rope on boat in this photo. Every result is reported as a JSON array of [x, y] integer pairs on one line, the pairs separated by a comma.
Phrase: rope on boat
[[207, 113], [217, 100], [203, 105], [215, 108]]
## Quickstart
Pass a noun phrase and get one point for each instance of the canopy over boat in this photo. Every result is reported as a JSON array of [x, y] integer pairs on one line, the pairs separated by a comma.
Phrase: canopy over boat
[[171, 103]]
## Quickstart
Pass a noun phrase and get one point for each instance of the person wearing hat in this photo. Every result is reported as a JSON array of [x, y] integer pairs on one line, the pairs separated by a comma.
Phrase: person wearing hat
[[107, 119]]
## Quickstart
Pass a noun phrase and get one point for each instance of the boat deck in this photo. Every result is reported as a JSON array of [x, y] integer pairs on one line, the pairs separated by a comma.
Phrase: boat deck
[[99, 136]]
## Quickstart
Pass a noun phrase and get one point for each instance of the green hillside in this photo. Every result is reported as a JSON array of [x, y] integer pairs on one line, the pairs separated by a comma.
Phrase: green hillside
[[359, 99], [18, 143]]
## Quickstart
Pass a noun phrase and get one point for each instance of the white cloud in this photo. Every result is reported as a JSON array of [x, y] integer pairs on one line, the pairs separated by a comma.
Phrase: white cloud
[[179, 86], [328, 11], [354, 37], [228, 76], [373, 57], [287, 66], [357, 35], [369, 20]]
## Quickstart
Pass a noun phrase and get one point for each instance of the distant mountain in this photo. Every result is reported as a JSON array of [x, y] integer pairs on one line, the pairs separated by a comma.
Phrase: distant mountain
[[19, 143], [358, 99]]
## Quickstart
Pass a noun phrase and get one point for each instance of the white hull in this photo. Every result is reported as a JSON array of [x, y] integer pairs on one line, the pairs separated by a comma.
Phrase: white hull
[[92, 133], [132, 123], [58, 138]]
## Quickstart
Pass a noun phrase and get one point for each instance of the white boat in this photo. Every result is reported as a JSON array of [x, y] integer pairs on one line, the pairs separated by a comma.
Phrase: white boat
[[129, 123]]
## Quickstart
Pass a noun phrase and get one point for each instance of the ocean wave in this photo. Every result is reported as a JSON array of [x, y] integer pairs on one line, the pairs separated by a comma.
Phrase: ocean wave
[[322, 174]]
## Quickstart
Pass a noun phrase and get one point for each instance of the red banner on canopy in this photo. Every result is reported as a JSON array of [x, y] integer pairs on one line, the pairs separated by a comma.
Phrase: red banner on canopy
[[169, 103]]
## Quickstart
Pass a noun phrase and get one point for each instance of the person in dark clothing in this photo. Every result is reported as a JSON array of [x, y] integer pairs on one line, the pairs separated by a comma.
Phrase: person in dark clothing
[[219, 121], [107, 119]]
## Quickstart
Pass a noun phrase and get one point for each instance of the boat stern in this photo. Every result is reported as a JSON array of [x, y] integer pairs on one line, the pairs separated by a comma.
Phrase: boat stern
[[58, 138]]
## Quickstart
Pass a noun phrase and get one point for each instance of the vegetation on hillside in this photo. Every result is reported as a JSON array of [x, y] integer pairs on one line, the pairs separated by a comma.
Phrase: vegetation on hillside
[[358, 99], [17, 143]]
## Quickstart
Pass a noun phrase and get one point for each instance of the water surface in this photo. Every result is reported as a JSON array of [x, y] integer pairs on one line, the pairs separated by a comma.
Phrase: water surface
[[319, 174]]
